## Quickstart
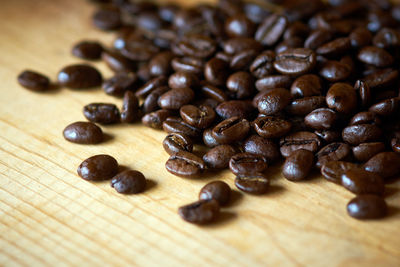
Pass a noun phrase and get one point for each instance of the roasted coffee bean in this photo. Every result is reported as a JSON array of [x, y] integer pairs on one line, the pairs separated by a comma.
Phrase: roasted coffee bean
[[333, 170], [342, 98], [137, 48], [120, 83], [90, 50], [33, 81], [185, 164], [83, 133], [175, 142], [156, 119], [160, 64], [295, 61], [130, 108], [385, 164], [382, 78], [218, 157], [188, 64], [361, 133], [367, 207], [304, 106], [218, 190], [200, 117], [242, 60], [213, 92], [328, 136], [375, 56], [271, 29], [102, 113], [247, 163], [200, 212], [263, 64], [364, 92], [240, 85], [233, 108], [299, 140], [290, 43], [177, 125], [129, 182], [360, 37], [306, 85], [359, 182], [365, 117], [107, 19], [150, 103], [333, 152], [271, 127], [151, 85], [97, 168], [215, 71], [387, 107], [262, 146], [239, 26], [321, 119], [317, 38], [79, 76], [296, 29], [335, 48], [274, 101], [231, 130], [256, 184], [209, 139], [235, 45], [196, 45], [183, 80], [176, 98], [365, 151], [117, 62], [298, 165], [334, 71], [273, 81], [387, 38]]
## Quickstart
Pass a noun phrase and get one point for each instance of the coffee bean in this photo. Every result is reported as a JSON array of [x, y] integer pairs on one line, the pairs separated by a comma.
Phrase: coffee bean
[[386, 107], [200, 212], [218, 190], [329, 136], [90, 50], [364, 92], [365, 117], [271, 29], [231, 130], [362, 133], [160, 64], [342, 98], [137, 48], [130, 108], [117, 62], [333, 152], [335, 48], [263, 64], [156, 119], [242, 60], [196, 45], [299, 140], [79, 76], [303, 106], [188, 64], [102, 113], [367, 207], [287, 44], [33, 81], [129, 182], [215, 71], [385, 164], [240, 85], [271, 127], [298, 165], [234, 45], [295, 61], [200, 117], [233, 108], [97, 168], [213, 92], [359, 182], [360, 37], [317, 38], [273, 81], [262, 146], [256, 184], [150, 103], [306, 85], [183, 80], [120, 83], [333, 170], [274, 101], [365, 151], [177, 125], [107, 19], [247, 163], [375, 56], [83, 133], [382, 78], [175, 142], [321, 119], [335, 71], [219, 156], [176, 98], [185, 164], [151, 86]]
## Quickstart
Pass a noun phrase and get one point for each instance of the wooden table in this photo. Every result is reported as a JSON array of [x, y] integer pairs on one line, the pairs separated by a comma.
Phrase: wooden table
[[50, 216]]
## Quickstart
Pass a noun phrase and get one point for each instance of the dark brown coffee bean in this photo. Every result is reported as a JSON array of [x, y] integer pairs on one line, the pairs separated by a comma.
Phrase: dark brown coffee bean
[[273, 81], [335, 48], [160, 64], [386, 107], [263, 64], [367, 207], [150, 103], [97, 168], [240, 85], [342, 98], [395, 144], [242, 60], [359, 182], [231, 130], [271, 29], [183, 80], [274, 101], [117, 62], [317, 38], [321, 119], [79, 76], [362, 133], [215, 71], [333, 152], [304, 106], [360, 37], [329, 136], [239, 26], [298, 165], [262, 146], [176, 98], [235, 45], [335, 71], [83, 133], [188, 64], [382, 78], [200, 117], [233, 108], [102, 113], [271, 127], [130, 108], [256, 184], [33, 81], [365, 117], [151, 86], [387, 38], [177, 125], [364, 92], [333, 170], [156, 119], [129, 182], [365, 151], [200, 212], [306, 85], [137, 48], [247, 163], [199, 46], [107, 19], [209, 139], [385, 164], [295, 61], [185, 164], [299, 140], [90, 50], [213, 92], [120, 83], [290, 43], [219, 156], [218, 190], [175, 142], [375, 56]]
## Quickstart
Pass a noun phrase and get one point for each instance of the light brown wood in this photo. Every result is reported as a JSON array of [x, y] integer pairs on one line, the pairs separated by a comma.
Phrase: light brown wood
[[49, 216]]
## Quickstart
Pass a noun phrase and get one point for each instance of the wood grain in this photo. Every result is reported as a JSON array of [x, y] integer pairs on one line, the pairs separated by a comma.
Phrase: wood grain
[[51, 217]]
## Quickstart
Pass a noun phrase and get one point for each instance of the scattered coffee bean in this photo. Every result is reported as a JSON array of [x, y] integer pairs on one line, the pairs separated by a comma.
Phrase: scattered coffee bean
[[83, 133], [359, 181], [333, 170], [33, 81], [367, 207], [385, 164], [200, 212], [298, 165], [79, 76], [97, 168], [218, 190], [129, 182], [90, 50], [185, 164], [256, 184], [102, 113]]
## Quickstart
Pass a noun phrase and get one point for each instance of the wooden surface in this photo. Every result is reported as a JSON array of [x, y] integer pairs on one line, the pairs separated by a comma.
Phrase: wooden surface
[[49, 216]]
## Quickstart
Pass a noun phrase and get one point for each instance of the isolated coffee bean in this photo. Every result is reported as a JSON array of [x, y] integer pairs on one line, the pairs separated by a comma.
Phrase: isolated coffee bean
[[342, 98], [33, 81], [90, 50], [129, 182], [333, 170], [385, 164], [102, 113], [175, 142], [295, 61], [83, 133], [365, 151], [262, 146], [298, 165], [185, 164], [200, 117], [97, 168], [231, 130], [200, 212], [247, 163], [218, 190], [256, 184], [79, 76], [274, 101], [219, 156], [359, 182], [362, 133], [367, 207], [299, 140], [271, 126], [333, 152]]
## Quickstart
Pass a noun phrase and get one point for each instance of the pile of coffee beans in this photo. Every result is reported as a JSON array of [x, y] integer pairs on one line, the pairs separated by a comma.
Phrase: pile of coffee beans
[[313, 82]]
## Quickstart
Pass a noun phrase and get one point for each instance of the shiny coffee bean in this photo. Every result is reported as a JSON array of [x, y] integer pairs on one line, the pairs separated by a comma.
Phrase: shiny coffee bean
[[218, 190], [298, 165], [185, 164], [218, 157], [83, 133], [306, 85], [342, 98], [200, 117], [33, 81], [335, 71], [129, 182], [329, 136], [130, 108], [90, 50], [156, 119], [333, 152], [232, 108], [160, 64], [235, 45], [209, 139], [360, 37], [387, 38], [364, 151], [299, 140], [107, 19], [256, 184], [295, 61], [196, 45], [385, 164], [176, 98], [364, 92], [365, 117], [271, 127], [213, 92], [150, 86], [273, 81], [382, 78], [102, 113], [240, 85], [175, 142], [271, 29], [150, 103], [375, 56], [305, 105], [79, 76], [120, 83], [333, 170], [97, 168], [359, 182], [321, 119], [188, 64], [362, 133], [215, 71], [200, 212], [274, 101], [262, 146], [117, 62], [367, 207], [177, 125], [387, 107], [247, 163], [239, 26], [242, 60], [317, 38], [231, 130], [263, 64], [335, 48], [183, 80]]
